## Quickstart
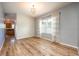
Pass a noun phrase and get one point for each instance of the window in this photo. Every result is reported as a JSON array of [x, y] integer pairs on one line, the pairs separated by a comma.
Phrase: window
[[48, 25]]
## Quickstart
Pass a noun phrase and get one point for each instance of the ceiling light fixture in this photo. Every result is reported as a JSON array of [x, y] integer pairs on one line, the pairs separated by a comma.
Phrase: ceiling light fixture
[[33, 11]]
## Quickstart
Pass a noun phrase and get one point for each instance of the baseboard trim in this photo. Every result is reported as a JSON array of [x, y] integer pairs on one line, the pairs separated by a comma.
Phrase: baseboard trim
[[46, 39], [68, 46], [63, 44], [25, 38], [22, 37]]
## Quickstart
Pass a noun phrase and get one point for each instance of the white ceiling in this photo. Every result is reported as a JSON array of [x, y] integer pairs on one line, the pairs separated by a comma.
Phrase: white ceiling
[[40, 7]]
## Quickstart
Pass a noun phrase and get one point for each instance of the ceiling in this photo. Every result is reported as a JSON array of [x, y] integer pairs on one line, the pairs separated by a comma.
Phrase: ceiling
[[40, 7]]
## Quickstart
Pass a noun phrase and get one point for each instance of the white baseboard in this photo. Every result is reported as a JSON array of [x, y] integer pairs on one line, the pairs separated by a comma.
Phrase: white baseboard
[[21, 37], [52, 40], [60, 43], [47, 39], [68, 45]]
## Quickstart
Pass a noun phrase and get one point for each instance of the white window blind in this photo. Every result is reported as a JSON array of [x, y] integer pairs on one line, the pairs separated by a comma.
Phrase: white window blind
[[48, 25]]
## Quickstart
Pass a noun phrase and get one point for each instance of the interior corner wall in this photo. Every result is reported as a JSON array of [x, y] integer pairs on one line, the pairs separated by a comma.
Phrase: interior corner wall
[[68, 32], [37, 29], [24, 26]]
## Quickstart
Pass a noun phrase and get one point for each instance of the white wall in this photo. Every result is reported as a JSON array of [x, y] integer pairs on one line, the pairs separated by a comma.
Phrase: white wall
[[68, 32], [24, 26], [77, 9], [37, 29], [1, 13], [1, 28]]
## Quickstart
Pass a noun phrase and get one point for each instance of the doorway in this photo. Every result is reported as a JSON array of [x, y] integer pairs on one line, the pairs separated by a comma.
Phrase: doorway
[[10, 24]]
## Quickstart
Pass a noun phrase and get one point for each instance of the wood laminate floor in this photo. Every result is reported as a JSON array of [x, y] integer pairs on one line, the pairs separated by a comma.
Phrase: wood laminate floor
[[35, 47]]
